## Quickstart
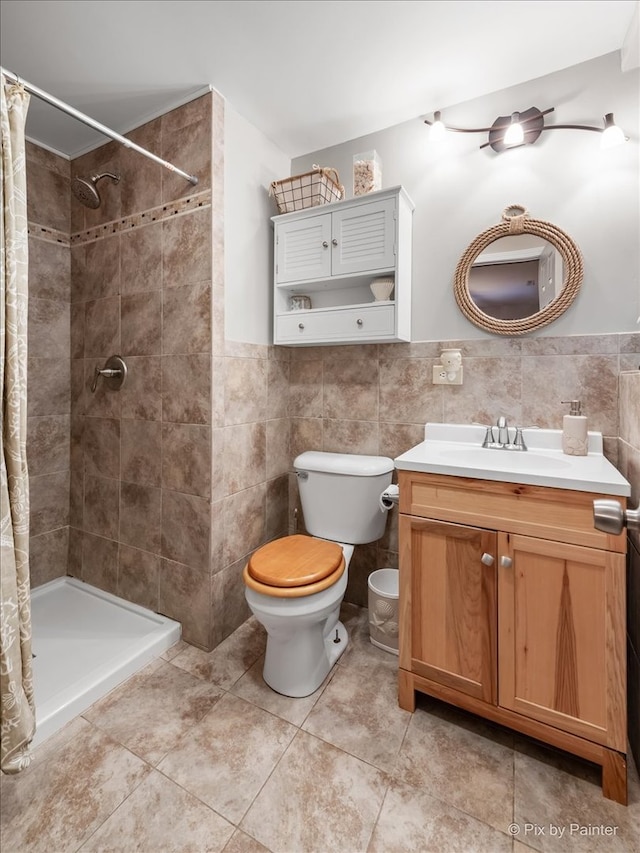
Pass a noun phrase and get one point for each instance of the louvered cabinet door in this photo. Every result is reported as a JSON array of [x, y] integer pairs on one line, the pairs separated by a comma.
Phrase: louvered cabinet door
[[363, 238], [561, 636], [303, 249]]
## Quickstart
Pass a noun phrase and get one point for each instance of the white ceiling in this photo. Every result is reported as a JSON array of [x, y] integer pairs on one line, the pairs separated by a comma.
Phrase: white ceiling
[[307, 74]]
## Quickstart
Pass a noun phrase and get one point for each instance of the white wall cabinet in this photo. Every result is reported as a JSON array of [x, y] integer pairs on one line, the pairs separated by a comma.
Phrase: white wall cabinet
[[332, 254]]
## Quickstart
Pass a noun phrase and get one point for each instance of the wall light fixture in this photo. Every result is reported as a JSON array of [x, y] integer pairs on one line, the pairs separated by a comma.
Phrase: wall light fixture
[[524, 128]]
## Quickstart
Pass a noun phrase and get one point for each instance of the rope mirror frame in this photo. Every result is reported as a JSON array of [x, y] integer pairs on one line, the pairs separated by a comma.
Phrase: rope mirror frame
[[516, 220]]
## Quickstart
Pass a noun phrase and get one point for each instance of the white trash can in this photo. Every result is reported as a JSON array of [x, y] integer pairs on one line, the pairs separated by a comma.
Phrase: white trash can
[[383, 609]]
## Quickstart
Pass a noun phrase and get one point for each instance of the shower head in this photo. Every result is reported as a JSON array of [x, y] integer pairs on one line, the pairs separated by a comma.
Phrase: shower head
[[85, 189]]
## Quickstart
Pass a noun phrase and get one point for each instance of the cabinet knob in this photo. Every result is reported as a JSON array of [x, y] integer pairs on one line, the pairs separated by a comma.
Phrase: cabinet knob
[[487, 559], [359, 322], [301, 325], [506, 562], [325, 245], [334, 242]]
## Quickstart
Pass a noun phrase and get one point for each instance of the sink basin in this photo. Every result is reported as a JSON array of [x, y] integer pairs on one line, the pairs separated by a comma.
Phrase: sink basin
[[508, 460], [456, 449]]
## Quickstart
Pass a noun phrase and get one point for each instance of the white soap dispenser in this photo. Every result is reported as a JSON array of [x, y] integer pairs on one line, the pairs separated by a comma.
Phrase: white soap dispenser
[[574, 430]]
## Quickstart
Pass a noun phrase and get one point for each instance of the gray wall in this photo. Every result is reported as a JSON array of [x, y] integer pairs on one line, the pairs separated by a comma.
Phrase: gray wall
[[251, 162], [564, 178]]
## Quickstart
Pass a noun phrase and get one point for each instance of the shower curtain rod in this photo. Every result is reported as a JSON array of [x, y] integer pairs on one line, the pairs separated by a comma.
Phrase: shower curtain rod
[[85, 119]]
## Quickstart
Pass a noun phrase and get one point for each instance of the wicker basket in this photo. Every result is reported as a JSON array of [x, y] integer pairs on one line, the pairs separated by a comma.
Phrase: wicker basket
[[311, 189]]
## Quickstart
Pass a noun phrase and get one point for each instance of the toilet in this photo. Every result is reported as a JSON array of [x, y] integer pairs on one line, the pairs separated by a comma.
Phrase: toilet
[[294, 586]]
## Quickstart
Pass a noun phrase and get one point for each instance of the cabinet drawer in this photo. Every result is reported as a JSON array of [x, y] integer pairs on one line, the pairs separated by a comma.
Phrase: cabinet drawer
[[370, 322], [561, 515]]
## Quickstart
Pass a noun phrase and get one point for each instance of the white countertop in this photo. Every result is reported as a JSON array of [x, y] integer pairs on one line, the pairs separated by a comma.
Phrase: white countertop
[[456, 449]]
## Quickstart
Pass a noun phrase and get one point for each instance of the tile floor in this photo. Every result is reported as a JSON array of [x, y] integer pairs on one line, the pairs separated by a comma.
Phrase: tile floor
[[195, 753]]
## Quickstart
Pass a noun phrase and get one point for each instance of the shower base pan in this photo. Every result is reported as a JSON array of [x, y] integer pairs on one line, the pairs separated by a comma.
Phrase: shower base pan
[[85, 643]]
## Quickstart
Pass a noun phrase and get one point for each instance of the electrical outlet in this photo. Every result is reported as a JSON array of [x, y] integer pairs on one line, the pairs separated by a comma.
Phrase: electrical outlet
[[440, 376]]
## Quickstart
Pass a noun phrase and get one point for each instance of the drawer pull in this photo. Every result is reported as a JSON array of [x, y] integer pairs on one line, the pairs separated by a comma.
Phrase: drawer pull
[[359, 322], [506, 562], [325, 245], [334, 241], [487, 559], [301, 325]]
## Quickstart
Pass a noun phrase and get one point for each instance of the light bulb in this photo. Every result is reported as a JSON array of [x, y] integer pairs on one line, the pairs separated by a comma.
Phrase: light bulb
[[437, 130], [514, 135], [612, 134]]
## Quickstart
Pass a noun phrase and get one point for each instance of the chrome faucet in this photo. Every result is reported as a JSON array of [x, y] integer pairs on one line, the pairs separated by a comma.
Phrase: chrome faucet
[[503, 431], [503, 441]]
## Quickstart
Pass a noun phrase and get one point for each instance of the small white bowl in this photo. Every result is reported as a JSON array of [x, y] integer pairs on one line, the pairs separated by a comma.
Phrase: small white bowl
[[382, 288]]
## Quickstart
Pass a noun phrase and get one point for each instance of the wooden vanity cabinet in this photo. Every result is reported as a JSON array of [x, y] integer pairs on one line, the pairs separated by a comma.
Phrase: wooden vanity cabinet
[[512, 606]]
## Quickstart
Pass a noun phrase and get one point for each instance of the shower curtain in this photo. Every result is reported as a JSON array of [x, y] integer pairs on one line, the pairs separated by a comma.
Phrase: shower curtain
[[17, 710]]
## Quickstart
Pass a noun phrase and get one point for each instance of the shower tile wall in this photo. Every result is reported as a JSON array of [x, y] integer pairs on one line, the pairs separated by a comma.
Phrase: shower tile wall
[[141, 288], [376, 399], [48, 413], [176, 478]]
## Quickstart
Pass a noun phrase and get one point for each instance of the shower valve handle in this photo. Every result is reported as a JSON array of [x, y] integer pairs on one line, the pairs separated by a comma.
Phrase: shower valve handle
[[105, 371], [115, 372]]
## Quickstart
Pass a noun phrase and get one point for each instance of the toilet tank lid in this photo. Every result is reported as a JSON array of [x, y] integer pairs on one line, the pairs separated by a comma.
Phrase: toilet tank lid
[[352, 464]]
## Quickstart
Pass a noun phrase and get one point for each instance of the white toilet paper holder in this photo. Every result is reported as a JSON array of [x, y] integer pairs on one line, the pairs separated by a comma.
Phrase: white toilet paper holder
[[389, 498]]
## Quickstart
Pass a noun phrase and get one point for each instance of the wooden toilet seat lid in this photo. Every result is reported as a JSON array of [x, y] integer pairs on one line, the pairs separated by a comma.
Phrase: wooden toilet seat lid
[[295, 561]]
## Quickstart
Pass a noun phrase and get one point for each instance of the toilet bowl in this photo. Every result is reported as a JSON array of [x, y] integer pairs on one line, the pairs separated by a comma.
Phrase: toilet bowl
[[295, 585], [304, 635]]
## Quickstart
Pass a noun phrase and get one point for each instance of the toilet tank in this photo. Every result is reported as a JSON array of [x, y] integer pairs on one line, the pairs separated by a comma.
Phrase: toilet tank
[[340, 495]]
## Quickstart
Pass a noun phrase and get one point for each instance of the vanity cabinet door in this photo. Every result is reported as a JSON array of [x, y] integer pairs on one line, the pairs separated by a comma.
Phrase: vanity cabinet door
[[448, 579], [562, 638]]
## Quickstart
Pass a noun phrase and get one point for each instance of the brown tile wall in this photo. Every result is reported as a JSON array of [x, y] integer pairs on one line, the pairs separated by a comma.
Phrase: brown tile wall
[[249, 439], [630, 467], [179, 476], [141, 287], [251, 464], [48, 407], [156, 493], [376, 399]]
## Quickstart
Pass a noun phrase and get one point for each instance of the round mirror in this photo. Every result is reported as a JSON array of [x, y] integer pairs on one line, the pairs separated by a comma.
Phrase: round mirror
[[518, 275]]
